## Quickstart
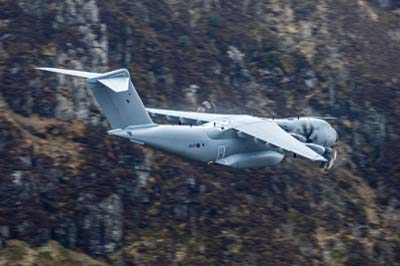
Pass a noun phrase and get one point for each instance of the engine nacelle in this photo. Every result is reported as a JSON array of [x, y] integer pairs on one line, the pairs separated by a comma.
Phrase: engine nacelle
[[314, 130]]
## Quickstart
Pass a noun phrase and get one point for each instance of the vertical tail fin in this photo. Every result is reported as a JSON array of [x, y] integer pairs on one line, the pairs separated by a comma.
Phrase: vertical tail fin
[[116, 96]]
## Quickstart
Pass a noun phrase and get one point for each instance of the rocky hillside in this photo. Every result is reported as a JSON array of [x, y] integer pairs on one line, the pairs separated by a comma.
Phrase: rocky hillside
[[69, 192]]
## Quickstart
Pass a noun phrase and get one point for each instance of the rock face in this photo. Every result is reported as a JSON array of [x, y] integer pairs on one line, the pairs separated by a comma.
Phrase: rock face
[[84, 46], [63, 179], [73, 99], [101, 225]]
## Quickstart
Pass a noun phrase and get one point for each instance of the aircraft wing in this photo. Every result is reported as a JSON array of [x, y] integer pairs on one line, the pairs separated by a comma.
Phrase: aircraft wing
[[262, 129], [195, 116], [268, 131]]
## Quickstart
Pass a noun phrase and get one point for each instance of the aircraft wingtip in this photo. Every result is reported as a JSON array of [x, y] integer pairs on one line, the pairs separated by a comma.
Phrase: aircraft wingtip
[[319, 158]]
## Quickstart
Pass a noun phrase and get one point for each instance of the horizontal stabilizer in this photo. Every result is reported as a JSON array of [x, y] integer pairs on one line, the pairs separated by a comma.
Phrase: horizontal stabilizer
[[116, 84], [75, 73], [117, 81]]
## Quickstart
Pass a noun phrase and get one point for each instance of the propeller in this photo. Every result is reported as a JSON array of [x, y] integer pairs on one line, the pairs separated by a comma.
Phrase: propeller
[[206, 107], [308, 130]]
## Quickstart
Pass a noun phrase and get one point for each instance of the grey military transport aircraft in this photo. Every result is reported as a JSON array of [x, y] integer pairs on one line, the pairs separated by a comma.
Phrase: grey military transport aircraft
[[239, 141]]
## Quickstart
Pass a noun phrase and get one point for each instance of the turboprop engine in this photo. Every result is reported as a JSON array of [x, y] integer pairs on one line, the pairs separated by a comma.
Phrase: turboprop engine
[[316, 133], [310, 130]]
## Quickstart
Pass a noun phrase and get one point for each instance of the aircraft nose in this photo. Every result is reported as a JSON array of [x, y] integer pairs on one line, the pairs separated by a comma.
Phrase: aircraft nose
[[336, 136]]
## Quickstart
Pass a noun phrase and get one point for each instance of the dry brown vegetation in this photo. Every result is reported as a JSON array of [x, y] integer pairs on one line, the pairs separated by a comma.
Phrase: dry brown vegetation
[[63, 179]]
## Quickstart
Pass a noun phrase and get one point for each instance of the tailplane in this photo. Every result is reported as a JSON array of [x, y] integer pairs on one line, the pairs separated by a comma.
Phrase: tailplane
[[116, 96]]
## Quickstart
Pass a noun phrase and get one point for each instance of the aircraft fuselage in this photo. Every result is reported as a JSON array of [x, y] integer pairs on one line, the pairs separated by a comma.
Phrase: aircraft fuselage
[[206, 143]]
